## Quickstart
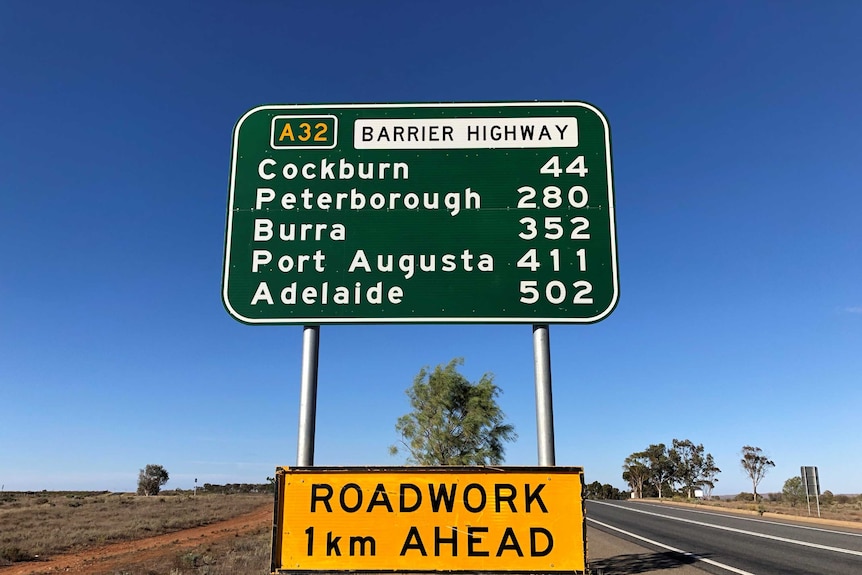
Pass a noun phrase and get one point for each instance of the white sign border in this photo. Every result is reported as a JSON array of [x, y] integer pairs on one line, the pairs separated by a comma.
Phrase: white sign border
[[419, 320]]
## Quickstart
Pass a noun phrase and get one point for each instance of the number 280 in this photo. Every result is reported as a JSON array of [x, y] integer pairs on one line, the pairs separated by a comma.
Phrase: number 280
[[552, 197]]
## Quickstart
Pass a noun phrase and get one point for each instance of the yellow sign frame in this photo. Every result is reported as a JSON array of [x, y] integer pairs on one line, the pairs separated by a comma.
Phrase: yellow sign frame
[[429, 519]]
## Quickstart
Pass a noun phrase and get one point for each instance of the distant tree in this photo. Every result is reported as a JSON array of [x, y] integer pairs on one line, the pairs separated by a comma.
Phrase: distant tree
[[596, 490], [454, 421], [229, 488], [692, 468], [661, 466], [611, 492], [709, 472], [793, 491], [593, 490], [636, 472], [151, 478], [755, 464]]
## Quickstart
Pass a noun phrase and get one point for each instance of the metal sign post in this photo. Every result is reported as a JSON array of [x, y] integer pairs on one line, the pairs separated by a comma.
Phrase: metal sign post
[[308, 395], [544, 398]]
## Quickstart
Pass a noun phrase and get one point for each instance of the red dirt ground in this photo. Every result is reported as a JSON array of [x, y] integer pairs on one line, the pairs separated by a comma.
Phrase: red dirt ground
[[109, 558]]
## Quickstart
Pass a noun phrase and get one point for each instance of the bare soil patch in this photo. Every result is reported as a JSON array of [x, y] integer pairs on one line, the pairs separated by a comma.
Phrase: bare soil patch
[[118, 557]]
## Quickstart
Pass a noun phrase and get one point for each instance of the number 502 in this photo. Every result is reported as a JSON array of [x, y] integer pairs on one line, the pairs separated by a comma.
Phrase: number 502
[[556, 292]]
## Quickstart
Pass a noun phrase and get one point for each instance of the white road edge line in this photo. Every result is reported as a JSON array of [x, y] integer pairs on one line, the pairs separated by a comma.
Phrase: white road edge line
[[674, 549], [741, 531]]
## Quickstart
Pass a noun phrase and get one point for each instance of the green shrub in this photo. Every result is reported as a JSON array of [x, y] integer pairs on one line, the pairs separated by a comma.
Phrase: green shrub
[[14, 554]]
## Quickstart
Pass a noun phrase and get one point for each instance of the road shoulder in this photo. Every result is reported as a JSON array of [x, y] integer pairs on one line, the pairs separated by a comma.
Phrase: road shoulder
[[608, 554]]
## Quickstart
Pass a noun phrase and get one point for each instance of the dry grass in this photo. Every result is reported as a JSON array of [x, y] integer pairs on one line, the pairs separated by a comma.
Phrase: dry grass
[[51, 523], [850, 510]]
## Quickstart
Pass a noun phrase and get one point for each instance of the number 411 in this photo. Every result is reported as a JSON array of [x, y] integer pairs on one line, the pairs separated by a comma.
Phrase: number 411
[[530, 260]]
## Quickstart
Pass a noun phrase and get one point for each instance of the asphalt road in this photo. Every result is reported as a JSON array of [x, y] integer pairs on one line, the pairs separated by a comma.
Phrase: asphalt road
[[723, 543]]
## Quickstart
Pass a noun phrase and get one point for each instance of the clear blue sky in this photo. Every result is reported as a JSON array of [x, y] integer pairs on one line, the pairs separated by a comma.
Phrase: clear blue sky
[[736, 148]]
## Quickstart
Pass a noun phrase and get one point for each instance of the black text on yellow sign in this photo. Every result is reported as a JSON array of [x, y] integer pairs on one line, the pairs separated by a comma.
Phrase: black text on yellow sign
[[298, 132], [429, 519]]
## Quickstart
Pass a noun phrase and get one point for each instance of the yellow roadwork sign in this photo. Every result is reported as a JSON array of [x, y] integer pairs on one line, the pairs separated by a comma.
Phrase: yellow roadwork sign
[[513, 519]]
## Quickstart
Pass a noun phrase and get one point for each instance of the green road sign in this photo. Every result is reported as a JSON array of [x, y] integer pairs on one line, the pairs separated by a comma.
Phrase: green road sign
[[421, 213]]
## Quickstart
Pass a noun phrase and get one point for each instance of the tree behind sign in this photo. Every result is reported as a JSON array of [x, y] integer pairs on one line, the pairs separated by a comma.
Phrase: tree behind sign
[[454, 421]]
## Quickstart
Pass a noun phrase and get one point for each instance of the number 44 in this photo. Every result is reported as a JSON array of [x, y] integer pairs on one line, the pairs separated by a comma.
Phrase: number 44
[[552, 167]]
